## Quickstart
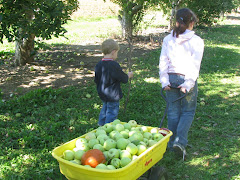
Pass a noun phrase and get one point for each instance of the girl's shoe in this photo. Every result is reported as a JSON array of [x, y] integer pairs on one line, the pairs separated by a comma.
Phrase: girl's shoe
[[179, 150]]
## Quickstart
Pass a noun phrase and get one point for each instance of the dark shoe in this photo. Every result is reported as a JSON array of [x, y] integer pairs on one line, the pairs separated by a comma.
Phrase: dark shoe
[[179, 151]]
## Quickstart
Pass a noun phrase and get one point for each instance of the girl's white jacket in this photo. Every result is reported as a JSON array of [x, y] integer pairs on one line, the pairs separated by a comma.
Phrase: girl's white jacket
[[181, 55]]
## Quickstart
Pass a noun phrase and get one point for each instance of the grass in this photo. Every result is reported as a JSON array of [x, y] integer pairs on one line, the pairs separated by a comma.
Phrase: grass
[[51, 117]]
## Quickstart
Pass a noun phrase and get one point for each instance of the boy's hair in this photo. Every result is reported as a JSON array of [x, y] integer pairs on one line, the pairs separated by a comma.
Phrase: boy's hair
[[109, 45], [184, 17]]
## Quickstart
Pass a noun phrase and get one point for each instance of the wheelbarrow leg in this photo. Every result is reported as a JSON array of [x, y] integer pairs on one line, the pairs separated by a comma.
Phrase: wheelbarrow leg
[[158, 173]]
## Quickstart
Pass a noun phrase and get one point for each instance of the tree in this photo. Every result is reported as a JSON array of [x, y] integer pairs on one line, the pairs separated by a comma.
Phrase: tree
[[22, 21], [132, 12]]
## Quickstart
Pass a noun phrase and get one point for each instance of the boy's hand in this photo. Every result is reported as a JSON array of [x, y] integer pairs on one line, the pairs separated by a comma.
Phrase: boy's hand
[[130, 74]]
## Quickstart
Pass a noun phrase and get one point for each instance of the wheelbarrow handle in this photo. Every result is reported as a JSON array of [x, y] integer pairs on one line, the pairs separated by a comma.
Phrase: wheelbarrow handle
[[165, 98]]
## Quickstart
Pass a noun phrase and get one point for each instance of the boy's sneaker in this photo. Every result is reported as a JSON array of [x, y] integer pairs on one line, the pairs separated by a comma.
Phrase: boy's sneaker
[[179, 150]]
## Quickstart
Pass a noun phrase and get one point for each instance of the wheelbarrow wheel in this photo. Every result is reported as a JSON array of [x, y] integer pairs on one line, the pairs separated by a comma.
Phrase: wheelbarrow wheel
[[158, 173]]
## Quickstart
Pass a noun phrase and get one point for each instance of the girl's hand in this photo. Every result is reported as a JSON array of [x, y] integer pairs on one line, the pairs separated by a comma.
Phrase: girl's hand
[[167, 88], [182, 89]]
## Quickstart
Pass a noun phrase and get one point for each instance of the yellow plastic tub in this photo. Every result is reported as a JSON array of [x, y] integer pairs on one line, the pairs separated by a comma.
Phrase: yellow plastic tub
[[130, 172]]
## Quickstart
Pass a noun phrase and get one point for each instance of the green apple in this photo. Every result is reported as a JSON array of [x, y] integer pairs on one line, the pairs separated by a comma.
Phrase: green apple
[[144, 128], [154, 130], [146, 141], [113, 153], [157, 136], [131, 132], [111, 134], [99, 147], [83, 146], [88, 96], [125, 134], [116, 162], [132, 148], [101, 166], [147, 135], [18, 115], [110, 167], [76, 161], [119, 127], [125, 153], [78, 154], [88, 166], [133, 123], [92, 142], [90, 135], [81, 63], [134, 157], [151, 142], [80, 141], [116, 121], [139, 129], [125, 161], [68, 155], [137, 136], [117, 136], [141, 149], [143, 143], [122, 143], [109, 144], [102, 138], [108, 127], [100, 131], [127, 126]]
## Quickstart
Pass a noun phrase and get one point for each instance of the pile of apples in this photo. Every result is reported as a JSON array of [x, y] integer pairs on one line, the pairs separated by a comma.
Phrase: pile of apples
[[119, 142]]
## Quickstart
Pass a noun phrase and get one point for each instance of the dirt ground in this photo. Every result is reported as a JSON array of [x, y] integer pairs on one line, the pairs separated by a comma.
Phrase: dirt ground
[[60, 66]]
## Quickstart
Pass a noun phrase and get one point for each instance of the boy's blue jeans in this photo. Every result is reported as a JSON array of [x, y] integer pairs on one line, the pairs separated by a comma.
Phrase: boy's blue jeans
[[180, 113], [108, 113]]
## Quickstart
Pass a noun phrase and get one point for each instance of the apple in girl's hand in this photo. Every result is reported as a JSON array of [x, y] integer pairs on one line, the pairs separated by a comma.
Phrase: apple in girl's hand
[[116, 162], [133, 123], [109, 144], [68, 155], [125, 161], [141, 149], [132, 148], [113, 153]]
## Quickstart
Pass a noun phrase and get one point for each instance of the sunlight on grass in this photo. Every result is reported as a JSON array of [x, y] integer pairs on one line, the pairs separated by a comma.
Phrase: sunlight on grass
[[151, 80]]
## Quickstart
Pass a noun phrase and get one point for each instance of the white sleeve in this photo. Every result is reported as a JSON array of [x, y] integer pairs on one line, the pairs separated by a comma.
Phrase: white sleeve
[[163, 65], [194, 68]]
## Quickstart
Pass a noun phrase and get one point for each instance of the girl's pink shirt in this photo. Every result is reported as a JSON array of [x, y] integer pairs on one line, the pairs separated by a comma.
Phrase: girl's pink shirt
[[181, 55]]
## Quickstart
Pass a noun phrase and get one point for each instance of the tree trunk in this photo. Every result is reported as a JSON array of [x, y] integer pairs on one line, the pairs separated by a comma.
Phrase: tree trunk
[[24, 50], [175, 6], [126, 23]]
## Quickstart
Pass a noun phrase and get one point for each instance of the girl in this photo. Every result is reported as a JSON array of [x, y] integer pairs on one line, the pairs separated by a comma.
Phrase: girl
[[179, 67]]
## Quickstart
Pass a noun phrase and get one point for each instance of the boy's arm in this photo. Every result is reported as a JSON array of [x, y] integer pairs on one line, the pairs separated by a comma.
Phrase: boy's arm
[[117, 73]]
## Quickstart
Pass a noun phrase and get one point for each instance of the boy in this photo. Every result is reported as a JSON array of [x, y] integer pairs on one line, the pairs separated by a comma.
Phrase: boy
[[108, 76]]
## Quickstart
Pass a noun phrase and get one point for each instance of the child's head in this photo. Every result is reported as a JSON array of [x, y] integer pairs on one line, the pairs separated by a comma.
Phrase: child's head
[[109, 45], [184, 19]]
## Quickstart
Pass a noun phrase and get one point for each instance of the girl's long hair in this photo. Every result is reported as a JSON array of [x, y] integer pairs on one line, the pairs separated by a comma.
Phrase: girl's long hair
[[184, 17]]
